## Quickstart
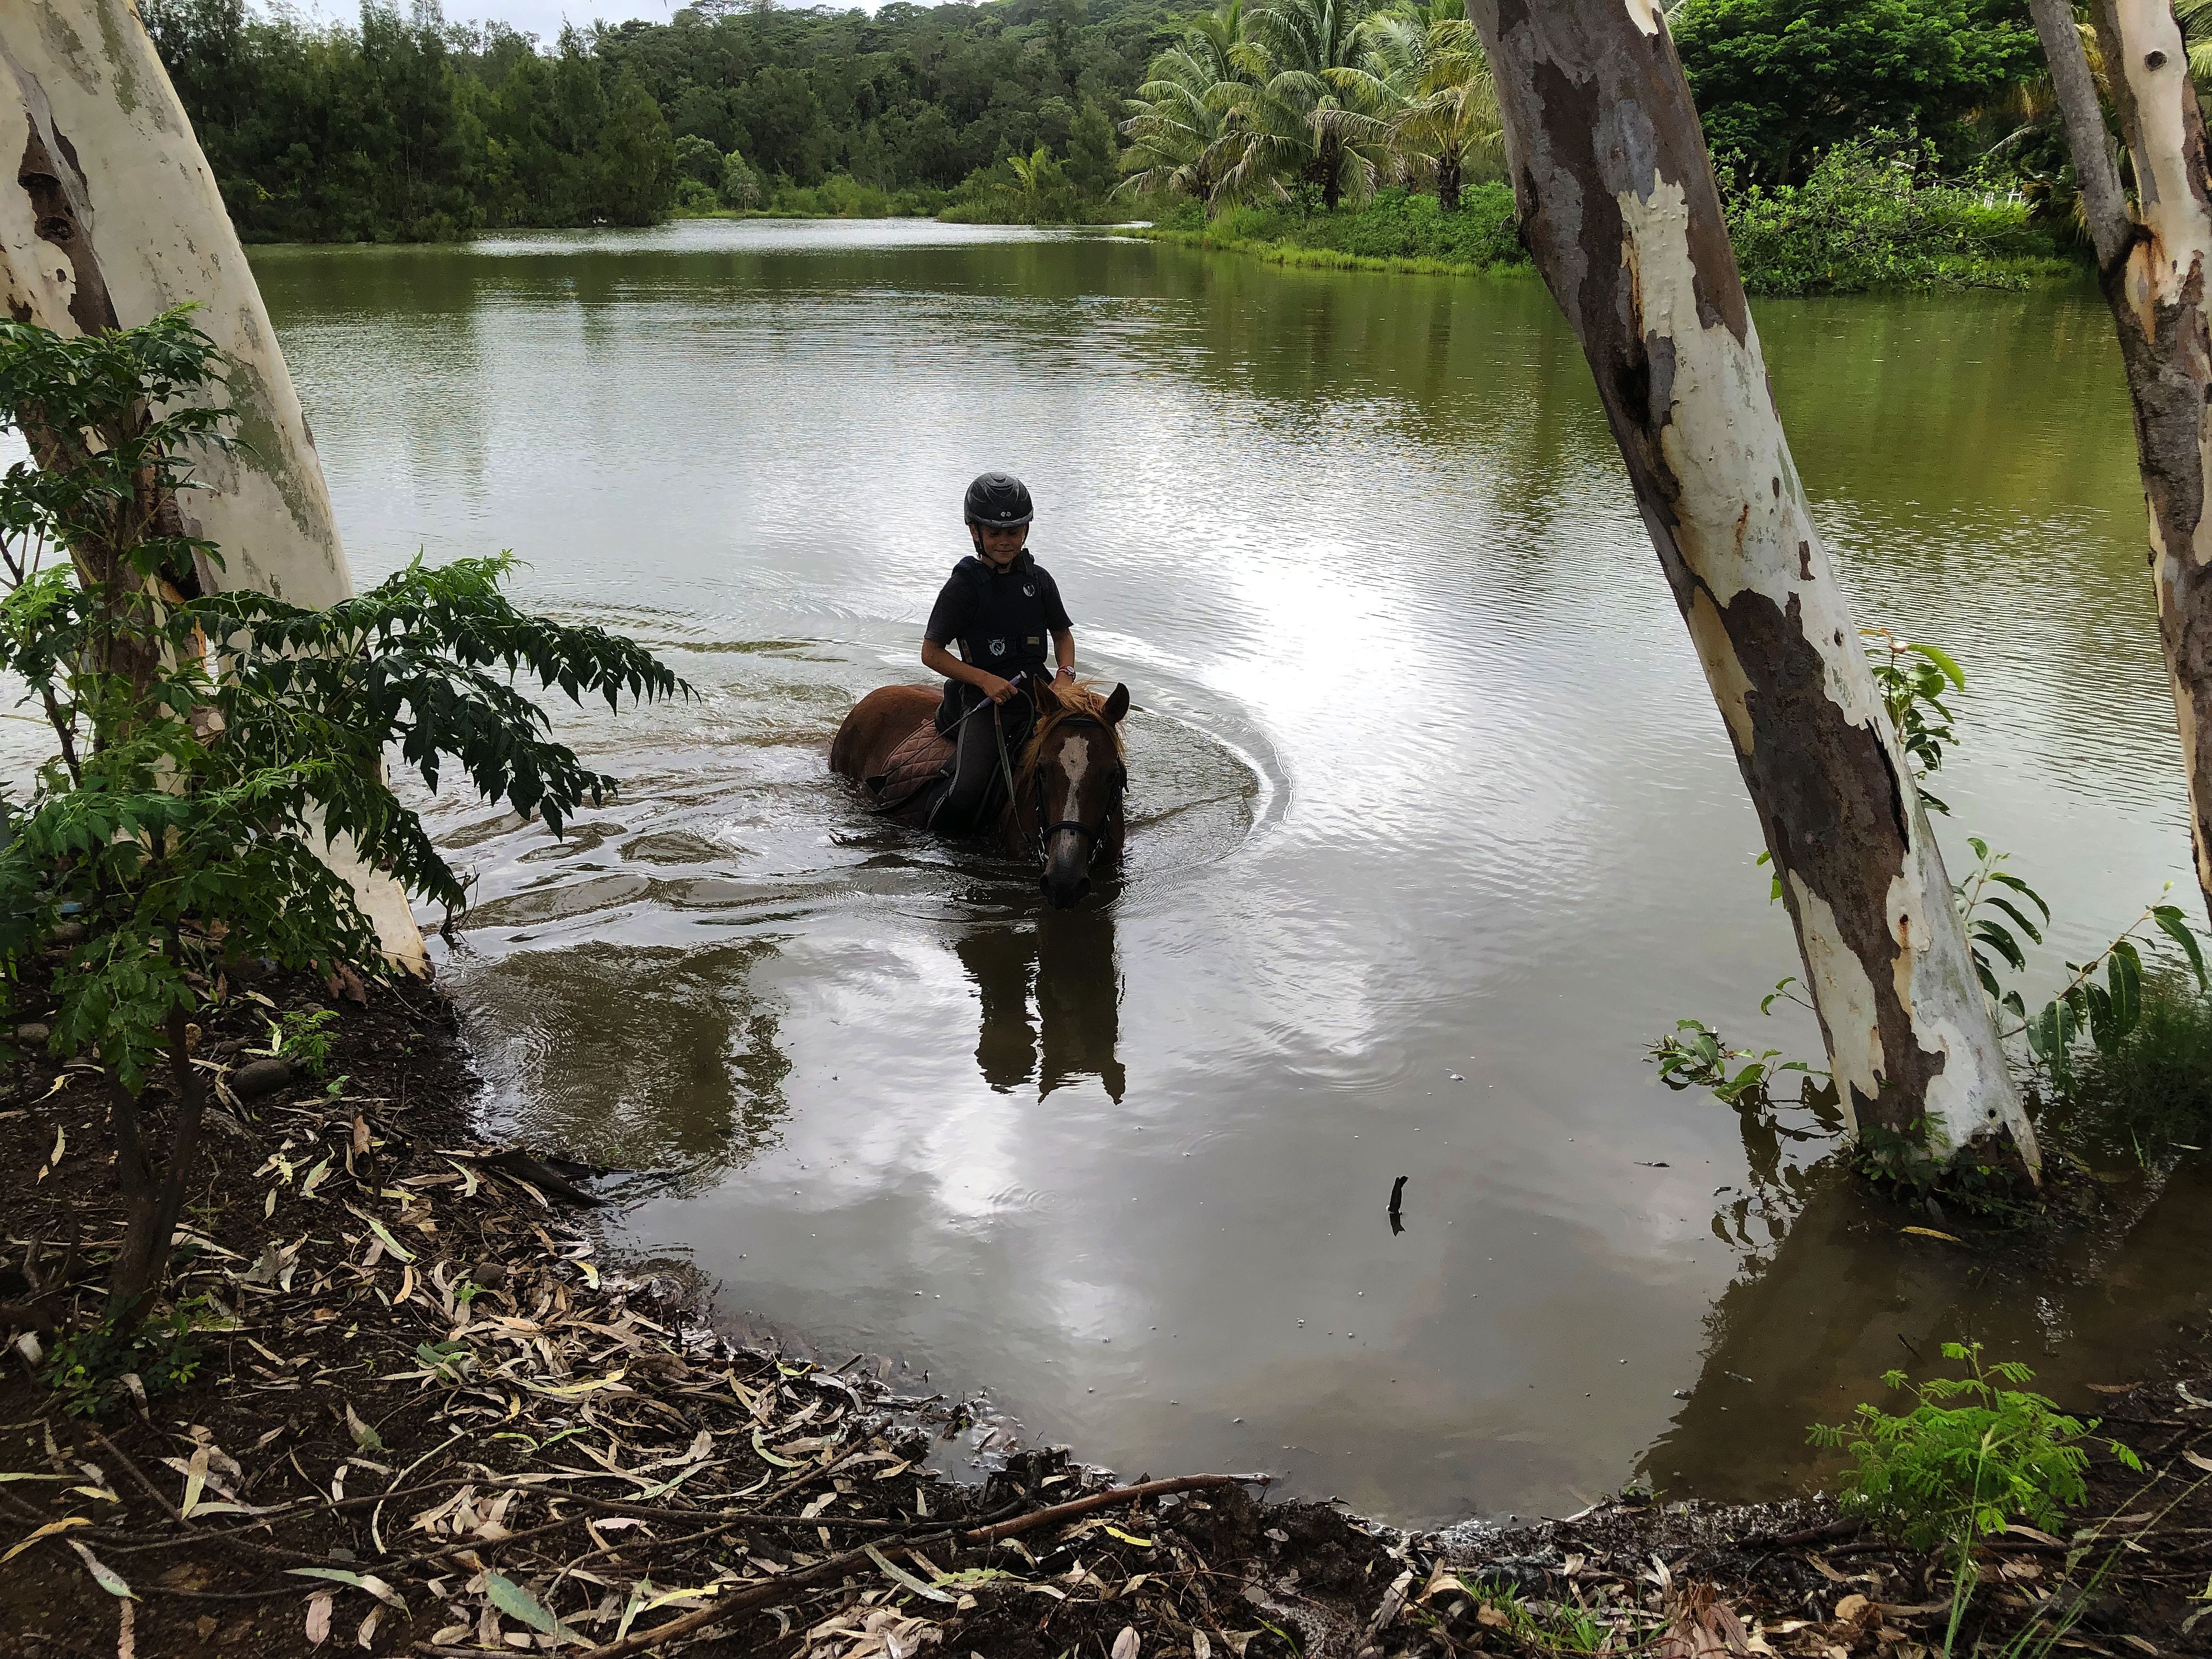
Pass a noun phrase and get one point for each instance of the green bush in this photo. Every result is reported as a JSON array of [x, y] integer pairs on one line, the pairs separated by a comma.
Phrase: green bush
[[843, 196], [694, 197], [173, 824], [1970, 1457], [90, 1367], [304, 1038], [2155, 1088], [1396, 225], [1023, 189], [1865, 219]]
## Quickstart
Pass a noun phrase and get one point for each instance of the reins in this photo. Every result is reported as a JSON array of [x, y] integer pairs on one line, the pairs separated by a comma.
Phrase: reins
[[1040, 838]]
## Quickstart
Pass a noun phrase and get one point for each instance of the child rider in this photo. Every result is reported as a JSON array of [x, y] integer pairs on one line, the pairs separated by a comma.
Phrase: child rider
[[998, 606]]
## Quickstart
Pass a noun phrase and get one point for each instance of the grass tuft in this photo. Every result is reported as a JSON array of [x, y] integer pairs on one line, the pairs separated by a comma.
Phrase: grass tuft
[[2156, 1092]]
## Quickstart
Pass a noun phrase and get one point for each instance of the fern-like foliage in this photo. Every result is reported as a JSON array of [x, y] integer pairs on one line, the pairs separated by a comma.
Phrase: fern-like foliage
[[206, 742], [1974, 1454]]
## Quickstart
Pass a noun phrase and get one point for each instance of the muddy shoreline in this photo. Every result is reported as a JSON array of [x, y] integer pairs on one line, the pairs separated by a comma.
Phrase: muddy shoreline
[[428, 1415]]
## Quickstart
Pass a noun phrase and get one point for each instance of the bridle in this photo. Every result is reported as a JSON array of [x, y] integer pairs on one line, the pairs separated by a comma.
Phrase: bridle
[[1041, 836]]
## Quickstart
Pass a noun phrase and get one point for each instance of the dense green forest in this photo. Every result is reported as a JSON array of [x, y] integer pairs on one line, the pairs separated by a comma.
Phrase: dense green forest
[[405, 126], [408, 126]]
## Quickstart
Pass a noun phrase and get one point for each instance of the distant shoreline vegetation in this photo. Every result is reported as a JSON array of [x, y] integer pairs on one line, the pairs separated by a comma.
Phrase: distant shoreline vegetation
[[1305, 132], [1861, 224]]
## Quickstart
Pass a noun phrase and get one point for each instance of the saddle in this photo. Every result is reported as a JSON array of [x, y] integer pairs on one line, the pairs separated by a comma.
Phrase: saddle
[[914, 768]]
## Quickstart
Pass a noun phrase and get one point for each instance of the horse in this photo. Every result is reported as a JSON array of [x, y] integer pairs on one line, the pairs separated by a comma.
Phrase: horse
[[1065, 807]]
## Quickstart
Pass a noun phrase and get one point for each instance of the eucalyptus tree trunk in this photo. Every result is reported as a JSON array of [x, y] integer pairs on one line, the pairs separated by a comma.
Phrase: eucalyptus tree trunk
[[2153, 263], [1620, 211], [113, 218]]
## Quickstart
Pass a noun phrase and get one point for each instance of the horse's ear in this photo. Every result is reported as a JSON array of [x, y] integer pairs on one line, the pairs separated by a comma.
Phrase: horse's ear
[[1116, 706], [1047, 698]]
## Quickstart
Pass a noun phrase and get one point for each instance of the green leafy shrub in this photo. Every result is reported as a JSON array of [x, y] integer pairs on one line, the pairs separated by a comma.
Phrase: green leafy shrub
[[694, 197], [2154, 1087], [205, 743], [1395, 226], [1974, 1454], [304, 1037], [91, 1370], [1866, 218], [843, 196], [1695, 1056]]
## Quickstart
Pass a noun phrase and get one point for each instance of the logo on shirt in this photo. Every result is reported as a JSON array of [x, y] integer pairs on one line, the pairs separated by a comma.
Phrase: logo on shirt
[[1028, 590], [998, 648]]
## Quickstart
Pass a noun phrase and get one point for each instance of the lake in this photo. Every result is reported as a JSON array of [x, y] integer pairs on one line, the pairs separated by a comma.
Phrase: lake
[[1435, 828]]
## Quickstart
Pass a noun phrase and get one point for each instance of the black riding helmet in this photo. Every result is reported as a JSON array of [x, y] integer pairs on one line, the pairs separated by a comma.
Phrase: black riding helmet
[[998, 501]]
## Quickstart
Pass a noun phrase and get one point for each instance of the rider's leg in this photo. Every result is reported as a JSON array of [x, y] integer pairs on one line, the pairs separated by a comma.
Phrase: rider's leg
[[959, 811], [958, 699], [979, 762]]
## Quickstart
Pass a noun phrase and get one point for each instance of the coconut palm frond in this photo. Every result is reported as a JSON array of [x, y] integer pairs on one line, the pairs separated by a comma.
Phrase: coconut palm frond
[[1256, 104]]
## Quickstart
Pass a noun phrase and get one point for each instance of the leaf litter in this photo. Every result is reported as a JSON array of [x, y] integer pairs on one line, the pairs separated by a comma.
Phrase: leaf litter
[[432, 1420]]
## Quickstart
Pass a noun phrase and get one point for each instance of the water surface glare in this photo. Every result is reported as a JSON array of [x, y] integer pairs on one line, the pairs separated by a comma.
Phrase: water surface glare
[[1435, 828]]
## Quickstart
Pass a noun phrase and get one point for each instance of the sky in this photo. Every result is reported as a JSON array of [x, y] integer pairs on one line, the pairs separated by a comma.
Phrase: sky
[[544, 18]]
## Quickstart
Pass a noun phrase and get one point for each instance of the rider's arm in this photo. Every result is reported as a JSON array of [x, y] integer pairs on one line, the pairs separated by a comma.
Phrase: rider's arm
[[1063, 651], [938, 660]]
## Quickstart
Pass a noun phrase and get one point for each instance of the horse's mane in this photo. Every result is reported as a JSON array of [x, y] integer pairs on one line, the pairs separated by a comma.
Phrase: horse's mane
[[1077, 699]]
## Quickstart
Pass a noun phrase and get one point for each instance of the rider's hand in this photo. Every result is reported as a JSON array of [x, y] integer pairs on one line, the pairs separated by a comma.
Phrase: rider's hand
[[996, 690], [1067, 675]]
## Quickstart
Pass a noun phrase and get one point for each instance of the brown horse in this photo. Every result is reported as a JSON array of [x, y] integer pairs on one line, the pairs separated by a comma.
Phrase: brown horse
[[1065, 809]]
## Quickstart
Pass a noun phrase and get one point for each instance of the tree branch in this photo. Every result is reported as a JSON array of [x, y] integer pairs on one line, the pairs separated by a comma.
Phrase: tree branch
[[2112, 227]]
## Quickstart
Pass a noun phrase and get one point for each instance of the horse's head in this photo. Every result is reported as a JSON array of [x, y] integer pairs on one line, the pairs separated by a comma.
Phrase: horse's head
[[1079, 777]]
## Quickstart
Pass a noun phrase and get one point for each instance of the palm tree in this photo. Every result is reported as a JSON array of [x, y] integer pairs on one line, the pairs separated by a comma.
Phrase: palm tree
[[2195, 17], [1033, 171], [1173, 126], [1286, 118], [1425, 76]]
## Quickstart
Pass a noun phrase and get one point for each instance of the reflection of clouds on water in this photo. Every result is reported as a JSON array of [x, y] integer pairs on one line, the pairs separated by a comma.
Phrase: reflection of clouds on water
[[1809, 1327], [1434, 823]]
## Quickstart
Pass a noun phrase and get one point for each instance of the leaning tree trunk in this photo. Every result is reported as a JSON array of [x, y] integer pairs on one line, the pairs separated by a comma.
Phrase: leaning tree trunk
[[2153, 263], [1620, 211], [115, 218]]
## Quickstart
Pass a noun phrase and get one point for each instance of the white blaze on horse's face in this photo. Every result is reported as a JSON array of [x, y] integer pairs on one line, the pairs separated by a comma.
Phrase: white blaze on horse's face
[[1074, 758]]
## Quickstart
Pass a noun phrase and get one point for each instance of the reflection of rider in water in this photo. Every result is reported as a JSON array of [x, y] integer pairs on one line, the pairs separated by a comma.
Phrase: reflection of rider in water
[[998, 606]]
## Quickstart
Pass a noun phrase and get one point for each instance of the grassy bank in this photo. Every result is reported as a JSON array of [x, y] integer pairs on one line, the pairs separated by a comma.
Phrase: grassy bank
[[1032, 190], [1397, 230], [1863, 223]]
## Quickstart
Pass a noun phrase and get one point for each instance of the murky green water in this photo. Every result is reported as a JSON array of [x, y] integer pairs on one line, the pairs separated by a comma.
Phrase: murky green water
[[1436, 827]]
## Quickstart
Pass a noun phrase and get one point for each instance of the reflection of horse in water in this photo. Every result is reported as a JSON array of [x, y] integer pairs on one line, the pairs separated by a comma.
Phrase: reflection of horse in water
[[1057, 799], [1068, 963]]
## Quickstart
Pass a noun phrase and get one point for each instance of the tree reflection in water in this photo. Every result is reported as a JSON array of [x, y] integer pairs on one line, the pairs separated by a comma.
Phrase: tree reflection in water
[[1065, 962], [640, 1057], [1839, 1293]]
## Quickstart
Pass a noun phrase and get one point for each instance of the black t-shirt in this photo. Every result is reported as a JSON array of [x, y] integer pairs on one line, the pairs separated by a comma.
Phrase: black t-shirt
[[1003, 622]]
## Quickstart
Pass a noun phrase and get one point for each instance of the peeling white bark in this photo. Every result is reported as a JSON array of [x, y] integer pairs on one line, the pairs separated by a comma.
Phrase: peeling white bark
[[1621, 214], [2154, 260], [108, 216]]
